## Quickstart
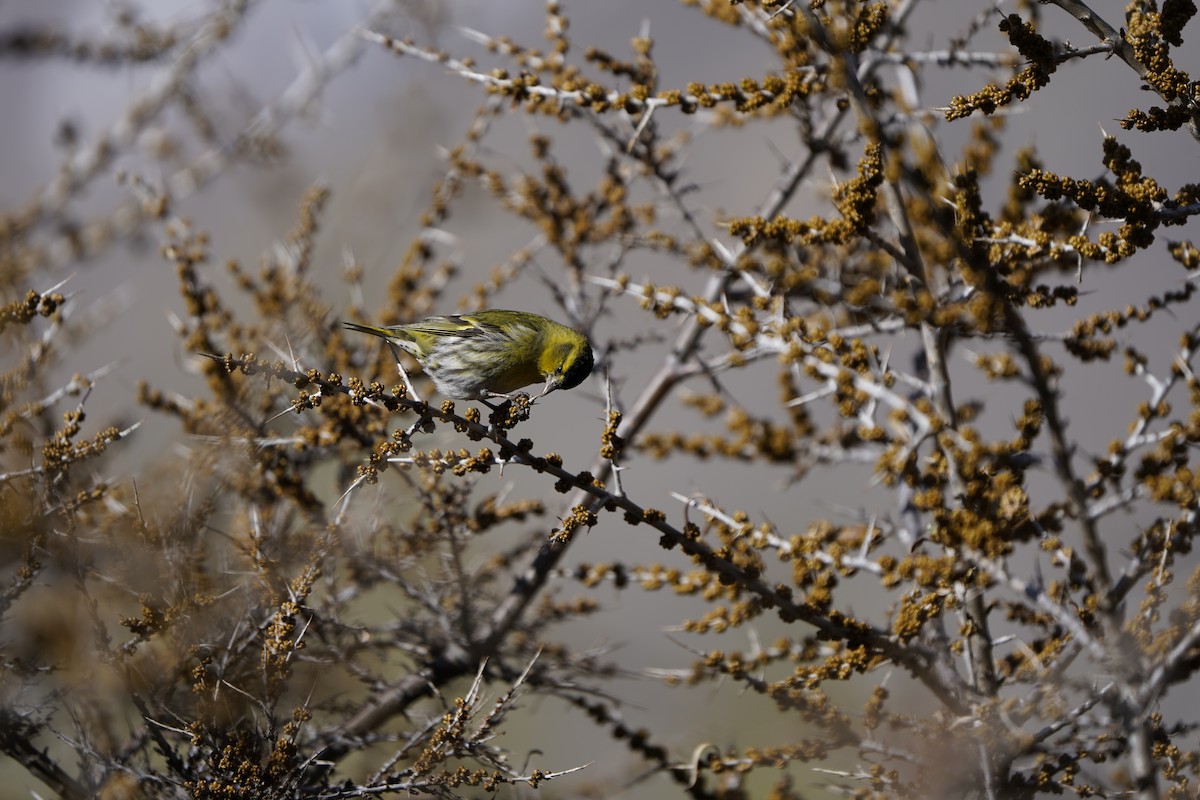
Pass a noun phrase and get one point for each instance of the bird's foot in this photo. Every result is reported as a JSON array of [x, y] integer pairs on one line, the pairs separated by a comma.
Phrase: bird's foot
[[514, 409]]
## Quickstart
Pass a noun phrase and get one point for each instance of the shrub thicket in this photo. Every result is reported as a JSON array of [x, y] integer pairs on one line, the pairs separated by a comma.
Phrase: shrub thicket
[[1004, 605]]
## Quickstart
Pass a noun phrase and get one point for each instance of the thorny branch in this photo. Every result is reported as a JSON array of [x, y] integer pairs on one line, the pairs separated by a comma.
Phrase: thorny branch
[[1037, 637]]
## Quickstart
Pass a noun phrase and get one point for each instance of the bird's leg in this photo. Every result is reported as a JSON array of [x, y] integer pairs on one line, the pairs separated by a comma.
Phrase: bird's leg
[[505, 415], [513, 397], [499, 412]]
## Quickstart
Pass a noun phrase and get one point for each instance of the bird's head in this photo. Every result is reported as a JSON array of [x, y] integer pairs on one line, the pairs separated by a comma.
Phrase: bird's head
[[566, 361]]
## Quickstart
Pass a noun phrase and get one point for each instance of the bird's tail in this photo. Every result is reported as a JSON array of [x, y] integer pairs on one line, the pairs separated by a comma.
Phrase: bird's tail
[[396, 336], [384, 333]]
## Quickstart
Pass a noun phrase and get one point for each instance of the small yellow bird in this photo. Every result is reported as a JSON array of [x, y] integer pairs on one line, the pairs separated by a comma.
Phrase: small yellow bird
[[491, 353]]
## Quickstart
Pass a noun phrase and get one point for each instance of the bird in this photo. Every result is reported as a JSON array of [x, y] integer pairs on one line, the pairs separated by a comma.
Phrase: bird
[[491, 353]]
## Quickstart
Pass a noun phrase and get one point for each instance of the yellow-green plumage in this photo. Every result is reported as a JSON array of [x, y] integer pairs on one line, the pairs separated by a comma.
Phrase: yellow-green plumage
[[493, 352]]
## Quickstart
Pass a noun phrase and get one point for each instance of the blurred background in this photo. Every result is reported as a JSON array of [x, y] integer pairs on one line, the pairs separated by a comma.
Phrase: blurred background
[[375, 134]]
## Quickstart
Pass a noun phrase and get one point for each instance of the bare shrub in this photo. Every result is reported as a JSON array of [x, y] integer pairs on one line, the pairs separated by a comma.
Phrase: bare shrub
[[327, 587]]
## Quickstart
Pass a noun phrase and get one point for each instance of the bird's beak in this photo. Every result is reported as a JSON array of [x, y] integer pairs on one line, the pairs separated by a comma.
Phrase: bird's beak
[[548, 388]]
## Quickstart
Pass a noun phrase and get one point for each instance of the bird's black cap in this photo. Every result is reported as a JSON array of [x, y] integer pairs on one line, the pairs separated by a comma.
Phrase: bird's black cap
[[580, 368]]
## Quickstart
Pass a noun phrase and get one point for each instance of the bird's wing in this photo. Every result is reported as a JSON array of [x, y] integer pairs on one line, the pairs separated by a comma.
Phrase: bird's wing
[[461, 326]]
